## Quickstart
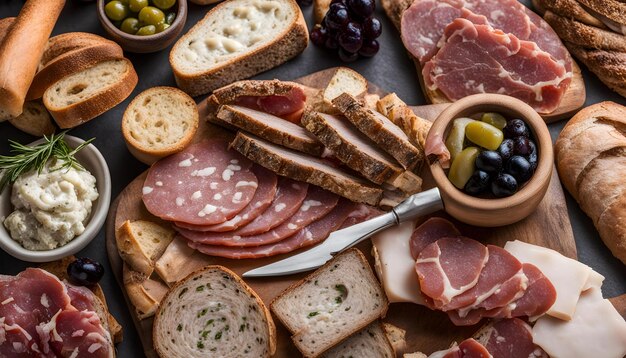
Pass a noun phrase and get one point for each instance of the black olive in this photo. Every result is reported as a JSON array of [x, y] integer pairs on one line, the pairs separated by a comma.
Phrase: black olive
[[477, 183], [521, 146], [520, 168], [85, 272], [489, 161], [504, 185], [533, 156], [506, 149], [515, 128]]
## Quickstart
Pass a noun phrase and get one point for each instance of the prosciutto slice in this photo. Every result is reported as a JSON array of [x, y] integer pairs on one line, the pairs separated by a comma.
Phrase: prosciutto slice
[[430, 231], [509, 338], [469, 348]]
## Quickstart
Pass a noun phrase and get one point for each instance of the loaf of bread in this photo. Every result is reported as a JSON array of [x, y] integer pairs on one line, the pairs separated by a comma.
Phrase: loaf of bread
[[140, 243], [591, 159], [159, 122], [34, 120], [237, 39]]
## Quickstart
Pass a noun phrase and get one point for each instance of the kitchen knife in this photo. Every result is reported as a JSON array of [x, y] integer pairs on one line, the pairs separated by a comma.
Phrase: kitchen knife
[[414, 206]]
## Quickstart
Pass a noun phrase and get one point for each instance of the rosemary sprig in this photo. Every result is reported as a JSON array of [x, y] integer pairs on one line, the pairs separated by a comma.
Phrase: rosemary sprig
[[25, 158]]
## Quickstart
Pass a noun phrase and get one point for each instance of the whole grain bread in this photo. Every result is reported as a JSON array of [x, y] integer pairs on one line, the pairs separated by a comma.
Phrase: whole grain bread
[[303, 167], [235, 40], [34, 120], [213, 313], [585, 35], [591, 159], [84, 95], [140, 243], [609, 66], [329, 305], [144, 293], [370, 342], [570, 9]]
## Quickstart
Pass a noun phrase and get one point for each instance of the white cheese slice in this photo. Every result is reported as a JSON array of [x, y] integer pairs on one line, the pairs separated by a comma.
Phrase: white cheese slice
[[395, 265], [595, 330], [568, 276], [595, 280]]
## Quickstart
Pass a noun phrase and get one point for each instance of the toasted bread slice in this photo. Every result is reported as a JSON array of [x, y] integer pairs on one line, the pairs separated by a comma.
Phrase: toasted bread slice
[[140, 243], [370, 342], [143, 292], [178, 261], [213, 313], [415, 127], [336, 301], [34, 120], [235, 40]]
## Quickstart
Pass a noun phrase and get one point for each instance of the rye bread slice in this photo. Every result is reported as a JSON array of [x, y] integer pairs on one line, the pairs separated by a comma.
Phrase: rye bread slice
[[303, 167], [380, 130], [271, 128]]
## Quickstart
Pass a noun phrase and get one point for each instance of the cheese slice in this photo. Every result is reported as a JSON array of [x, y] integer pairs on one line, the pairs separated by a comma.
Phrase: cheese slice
[[596, 330], [595, 280], [394, 264], [568, 276]]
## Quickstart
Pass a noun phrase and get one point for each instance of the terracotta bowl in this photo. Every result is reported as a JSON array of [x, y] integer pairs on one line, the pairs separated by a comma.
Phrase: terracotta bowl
[[493, 212], [145, 44]]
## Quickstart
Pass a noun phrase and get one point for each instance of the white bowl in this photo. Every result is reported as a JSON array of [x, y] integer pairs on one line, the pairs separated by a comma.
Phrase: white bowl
[[94, 162]]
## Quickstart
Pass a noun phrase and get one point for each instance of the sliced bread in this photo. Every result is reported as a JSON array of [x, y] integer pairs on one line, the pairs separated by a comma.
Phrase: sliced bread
[[67, 42], [34, 120], [380, 130], [271, 128], [84, 95], [415, 127], [345, 80], [213, 313], [370, 342], [334, 302], [178, 261], [159, 122], [140, 243], [303, 167], [143, 292], [235, 40]]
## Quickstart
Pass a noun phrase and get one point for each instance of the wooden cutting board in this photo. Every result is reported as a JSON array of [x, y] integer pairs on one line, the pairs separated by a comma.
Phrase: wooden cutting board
[[427, 330]]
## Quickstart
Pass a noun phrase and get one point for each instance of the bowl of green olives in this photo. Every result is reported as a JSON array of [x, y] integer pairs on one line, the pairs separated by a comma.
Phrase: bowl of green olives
[[143, 26], [495, 160]]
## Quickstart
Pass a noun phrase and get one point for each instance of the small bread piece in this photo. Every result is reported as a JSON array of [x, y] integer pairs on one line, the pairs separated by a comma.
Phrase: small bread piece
[[235, 40], [381, 130], [85, 95], [140, 243], [370, 342], [584, 35], [34, 120], [339, 299], [213, 313], [415, 127], [159, 122], [320, 8], [178, 261], [271, 128], [344, 80], [143, 292], [303, 167], [396, 336]]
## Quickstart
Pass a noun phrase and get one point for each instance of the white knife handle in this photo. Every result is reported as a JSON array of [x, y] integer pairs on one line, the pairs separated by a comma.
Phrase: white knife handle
[[417, 205]]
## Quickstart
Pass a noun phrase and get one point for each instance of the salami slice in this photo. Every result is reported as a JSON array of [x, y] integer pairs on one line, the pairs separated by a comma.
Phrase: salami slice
[[316, 205], [205, 184], [344, 213], [260, 201]]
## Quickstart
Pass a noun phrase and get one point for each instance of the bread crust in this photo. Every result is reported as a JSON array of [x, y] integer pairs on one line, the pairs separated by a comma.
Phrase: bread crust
[[609, 66], [570, 9], [585, 35], [612, 9], [288, 44], [34, 120], [66, 42]]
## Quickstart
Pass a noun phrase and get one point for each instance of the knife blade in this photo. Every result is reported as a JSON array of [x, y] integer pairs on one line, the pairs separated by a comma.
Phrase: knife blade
[[414, 206]]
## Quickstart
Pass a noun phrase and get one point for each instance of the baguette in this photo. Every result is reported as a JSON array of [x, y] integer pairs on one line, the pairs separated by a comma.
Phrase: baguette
[[85, 95], [370, 342], [34, 120], [21, 52], [213, 313], [591, 159], [336, 301], [235, 40], [140, 243]]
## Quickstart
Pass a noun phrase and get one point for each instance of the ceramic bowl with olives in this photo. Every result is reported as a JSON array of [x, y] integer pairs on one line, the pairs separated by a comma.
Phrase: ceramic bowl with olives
[[143, 25]]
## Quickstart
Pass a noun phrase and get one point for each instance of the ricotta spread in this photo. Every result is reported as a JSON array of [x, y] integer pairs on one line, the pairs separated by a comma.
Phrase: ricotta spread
[[51, 207]]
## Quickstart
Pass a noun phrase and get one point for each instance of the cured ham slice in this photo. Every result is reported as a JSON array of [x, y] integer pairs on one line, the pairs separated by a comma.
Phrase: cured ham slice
[[278, 105], [79, 334], [509, 338], [205, 184], [262, 199], [430, 231], [469, 348], [479, 59], [450, 267]]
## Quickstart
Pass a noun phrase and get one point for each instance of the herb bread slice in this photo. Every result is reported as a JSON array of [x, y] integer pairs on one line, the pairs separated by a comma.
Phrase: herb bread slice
[[334, 302], [370, 342], [237, 39], [213, 313]]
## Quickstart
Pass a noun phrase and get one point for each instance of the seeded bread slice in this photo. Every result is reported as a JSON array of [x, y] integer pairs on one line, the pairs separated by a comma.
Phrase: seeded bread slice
[[159, 122], [380, 130], [303, 167], [237, 39], [143, 292], [141, 243], [334, 302], [34, 120], [213, 313], [85, 95]]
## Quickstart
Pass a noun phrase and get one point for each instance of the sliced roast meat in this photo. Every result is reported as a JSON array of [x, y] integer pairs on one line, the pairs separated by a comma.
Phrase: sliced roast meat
[[509, 338], [79, 334], [479, 59], [450, 267], [205, 184], [430, 231], [469, 348], [262, 199], [317, 203]]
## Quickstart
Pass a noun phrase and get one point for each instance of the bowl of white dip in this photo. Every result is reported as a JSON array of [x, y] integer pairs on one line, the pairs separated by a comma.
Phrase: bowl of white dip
[[57, 233]]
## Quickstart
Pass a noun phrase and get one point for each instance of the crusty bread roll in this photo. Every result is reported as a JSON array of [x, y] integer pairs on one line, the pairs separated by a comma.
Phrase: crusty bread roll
[[591, 159]]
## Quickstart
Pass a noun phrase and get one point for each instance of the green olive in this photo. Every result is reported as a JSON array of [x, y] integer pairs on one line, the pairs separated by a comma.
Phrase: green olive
[[170, 17], [463, 167], [162, 27], [137, 5], [146, 30], [125, 2], [484, 135], [150, 15], [495, 119], [456, 138], [130, 25], [164, 4], [116, 10]]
